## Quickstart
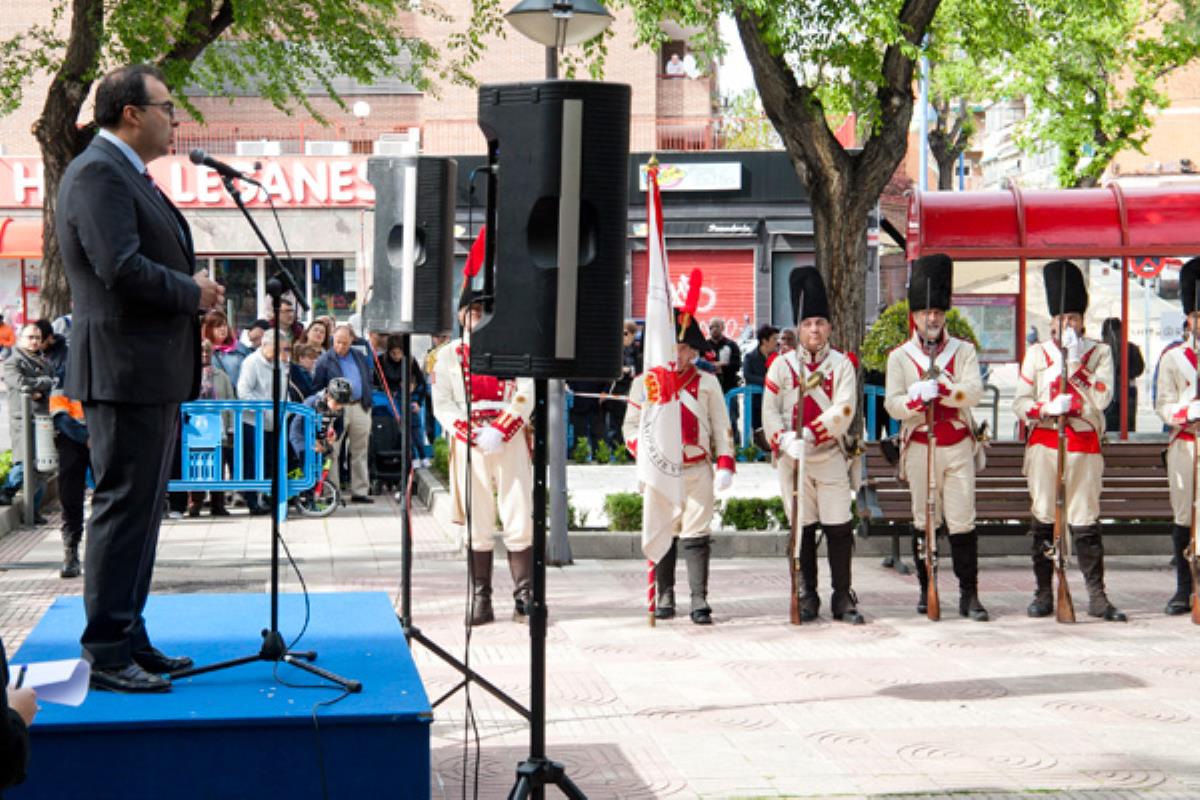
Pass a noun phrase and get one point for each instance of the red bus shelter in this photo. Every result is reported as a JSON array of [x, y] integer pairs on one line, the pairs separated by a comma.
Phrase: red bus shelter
[[1112, 222], [21, 241]]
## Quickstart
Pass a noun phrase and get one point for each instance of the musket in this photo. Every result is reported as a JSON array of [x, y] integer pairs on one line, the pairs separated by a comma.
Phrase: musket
[[1191, 552], [794, 540], [1064, 609], [933, 607]]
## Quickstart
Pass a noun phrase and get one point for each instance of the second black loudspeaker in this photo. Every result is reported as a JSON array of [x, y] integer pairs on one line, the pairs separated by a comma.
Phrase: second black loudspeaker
[[560, 150], [427, 183]]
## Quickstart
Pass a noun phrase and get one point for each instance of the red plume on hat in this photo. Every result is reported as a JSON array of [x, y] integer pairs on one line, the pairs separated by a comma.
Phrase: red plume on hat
[[471, 268], [688, 330]]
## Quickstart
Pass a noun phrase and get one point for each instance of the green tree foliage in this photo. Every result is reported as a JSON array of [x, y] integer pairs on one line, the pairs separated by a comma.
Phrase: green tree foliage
[[744, 126], [1092, 71], [891, 331]]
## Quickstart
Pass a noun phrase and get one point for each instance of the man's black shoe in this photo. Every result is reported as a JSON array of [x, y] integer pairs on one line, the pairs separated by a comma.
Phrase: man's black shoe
[[157, 662], [130, 679], [260, 511], [361, 498]]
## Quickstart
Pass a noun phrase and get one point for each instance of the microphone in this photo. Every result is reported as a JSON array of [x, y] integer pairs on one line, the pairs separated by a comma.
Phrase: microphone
[[198, 156]]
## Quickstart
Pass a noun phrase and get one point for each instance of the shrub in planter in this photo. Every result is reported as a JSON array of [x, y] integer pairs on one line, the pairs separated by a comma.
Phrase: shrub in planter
[[603, 454], [746, 513], [441, 458], [624, 511], [581, 453]]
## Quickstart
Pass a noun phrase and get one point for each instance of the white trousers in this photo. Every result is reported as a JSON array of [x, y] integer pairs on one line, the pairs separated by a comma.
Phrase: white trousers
[[695, 520], [1082, 474], [953, 483], [825, 492], [501, 483]]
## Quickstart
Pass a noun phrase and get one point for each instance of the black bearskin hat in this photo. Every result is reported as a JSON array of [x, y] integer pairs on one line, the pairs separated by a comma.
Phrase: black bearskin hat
[[808, 294], [1065, 292], [931, 283], [1187, 285]]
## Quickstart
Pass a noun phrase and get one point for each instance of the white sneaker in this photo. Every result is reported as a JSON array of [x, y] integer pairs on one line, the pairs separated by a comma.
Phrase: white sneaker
[[174, 515], [427, 462]]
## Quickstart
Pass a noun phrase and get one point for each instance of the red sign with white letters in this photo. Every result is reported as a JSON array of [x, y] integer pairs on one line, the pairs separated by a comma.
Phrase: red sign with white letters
[[292, 181]]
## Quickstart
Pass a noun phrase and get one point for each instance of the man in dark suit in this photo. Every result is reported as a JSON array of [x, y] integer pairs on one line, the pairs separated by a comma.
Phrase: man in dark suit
[[135, 355]]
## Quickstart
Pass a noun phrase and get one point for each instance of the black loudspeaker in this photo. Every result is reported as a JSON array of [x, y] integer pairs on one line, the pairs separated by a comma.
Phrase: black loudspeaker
[[427, 183], [560, 153]]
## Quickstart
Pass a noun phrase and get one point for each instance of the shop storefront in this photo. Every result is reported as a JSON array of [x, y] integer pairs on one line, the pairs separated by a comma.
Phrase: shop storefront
[[320, 229]]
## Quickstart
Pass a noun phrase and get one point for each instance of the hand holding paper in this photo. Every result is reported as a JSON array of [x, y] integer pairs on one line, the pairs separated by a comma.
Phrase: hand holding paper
[[64, 682]]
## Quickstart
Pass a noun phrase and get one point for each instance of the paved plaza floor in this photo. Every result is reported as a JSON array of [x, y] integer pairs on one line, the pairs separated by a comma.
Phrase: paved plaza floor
[[750, 707]]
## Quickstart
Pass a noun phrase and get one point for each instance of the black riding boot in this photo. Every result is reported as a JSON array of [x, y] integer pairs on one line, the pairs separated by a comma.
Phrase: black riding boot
[[839, 541], [70, 565], [664, 583], [922, 573], [1089, 548], [481, 582], [1043, 570], [810, 601], [964, 550], [520, 564], [696, 554], [1181, 602]]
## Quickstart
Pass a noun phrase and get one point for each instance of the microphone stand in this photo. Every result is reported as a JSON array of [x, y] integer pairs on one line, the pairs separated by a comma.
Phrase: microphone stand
[[273, 647]]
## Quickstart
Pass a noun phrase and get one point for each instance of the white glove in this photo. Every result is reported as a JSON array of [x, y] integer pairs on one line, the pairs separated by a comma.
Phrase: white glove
[[489, 440], [723, 480], [1070, 343], [1193, 411], [1057, 407], [923, 391]]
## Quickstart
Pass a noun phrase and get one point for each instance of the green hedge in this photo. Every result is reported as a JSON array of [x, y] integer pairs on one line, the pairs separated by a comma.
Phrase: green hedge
[[624, 510]]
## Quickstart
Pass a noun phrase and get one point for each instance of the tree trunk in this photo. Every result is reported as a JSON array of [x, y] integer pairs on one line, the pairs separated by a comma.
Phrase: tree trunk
[[946, 161], [842, 186], [61, 139]]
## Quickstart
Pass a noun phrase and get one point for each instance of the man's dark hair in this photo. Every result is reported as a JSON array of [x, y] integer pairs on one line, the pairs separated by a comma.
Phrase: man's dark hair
[[124, 86], [46, 328], [766, 332], [260, 323]]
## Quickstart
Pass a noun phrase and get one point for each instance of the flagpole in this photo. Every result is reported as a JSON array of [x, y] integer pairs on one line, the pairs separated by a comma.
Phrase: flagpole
[[650, 591]]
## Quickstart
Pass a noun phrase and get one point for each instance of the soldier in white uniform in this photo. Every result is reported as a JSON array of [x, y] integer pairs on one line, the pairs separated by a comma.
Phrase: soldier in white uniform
[[819, 436], [707, 441], [1040, 403], [935, 369], [500, 462], [1180, 410]]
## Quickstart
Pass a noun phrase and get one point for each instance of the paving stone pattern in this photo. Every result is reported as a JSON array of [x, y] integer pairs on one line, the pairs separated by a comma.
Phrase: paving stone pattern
[[750, 707]]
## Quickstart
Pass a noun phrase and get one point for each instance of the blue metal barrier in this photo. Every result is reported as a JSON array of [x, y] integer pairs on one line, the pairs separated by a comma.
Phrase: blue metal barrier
[[204, 423], [870, 395], [747, 420]]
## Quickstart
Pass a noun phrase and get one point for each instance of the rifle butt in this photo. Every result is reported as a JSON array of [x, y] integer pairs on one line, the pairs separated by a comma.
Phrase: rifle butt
[[1064, 609], [933, 603]]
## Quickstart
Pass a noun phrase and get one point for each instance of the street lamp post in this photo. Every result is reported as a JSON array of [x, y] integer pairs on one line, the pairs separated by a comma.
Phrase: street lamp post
[[553, 24]]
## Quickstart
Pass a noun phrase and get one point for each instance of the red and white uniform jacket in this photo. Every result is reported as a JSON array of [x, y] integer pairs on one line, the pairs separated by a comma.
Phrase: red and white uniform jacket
[[1177, 388], [502, 403], [1088, 382], [707, 433], [959, 390], [830, 398]]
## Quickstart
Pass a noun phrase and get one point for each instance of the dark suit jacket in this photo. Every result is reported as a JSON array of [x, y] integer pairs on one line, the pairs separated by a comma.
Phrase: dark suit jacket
[[328, 367], [135, 333]]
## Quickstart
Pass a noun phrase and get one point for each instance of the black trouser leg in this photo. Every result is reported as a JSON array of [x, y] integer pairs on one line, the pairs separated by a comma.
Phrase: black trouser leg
[[964, 551], [1042, 534], [696, 552], [1181, 601], [130, 455], [664, 583], [1089, 549], [839, 543], [918, 550], [810, 600]]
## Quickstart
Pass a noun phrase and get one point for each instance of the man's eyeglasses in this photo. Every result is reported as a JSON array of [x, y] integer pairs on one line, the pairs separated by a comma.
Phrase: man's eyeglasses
[[165, 105]]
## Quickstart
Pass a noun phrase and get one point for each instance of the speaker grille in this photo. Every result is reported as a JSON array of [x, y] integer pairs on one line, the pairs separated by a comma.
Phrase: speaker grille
[[523, 123]]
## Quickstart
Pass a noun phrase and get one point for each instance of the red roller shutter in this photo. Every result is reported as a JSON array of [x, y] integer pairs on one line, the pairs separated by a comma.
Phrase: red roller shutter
[[728, 284]]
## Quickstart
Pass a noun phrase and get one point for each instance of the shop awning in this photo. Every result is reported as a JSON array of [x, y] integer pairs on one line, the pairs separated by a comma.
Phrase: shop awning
[[20, 238], [1064, 223]]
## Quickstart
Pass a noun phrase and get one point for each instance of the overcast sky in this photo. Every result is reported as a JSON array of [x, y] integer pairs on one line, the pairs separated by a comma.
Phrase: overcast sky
[[735, 72]]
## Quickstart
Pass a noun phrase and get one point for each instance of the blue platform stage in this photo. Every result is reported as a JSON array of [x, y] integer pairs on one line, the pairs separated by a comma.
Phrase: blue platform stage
[[240, 732]]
